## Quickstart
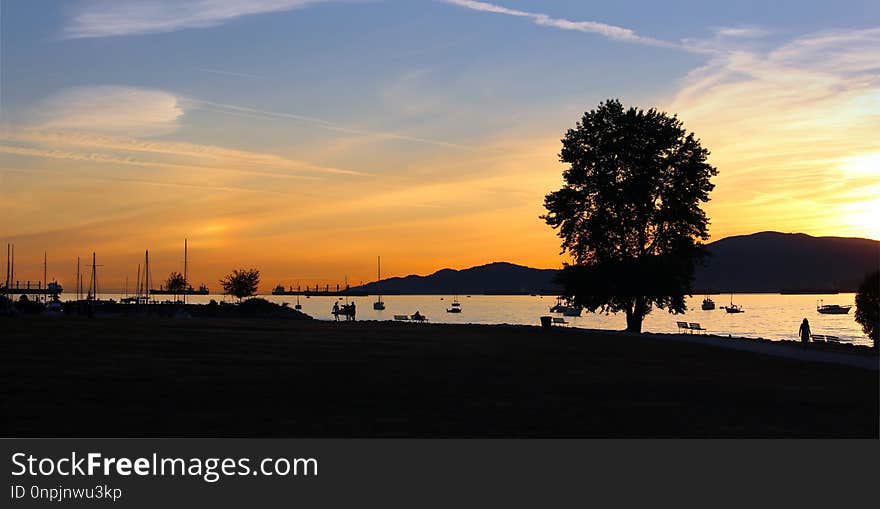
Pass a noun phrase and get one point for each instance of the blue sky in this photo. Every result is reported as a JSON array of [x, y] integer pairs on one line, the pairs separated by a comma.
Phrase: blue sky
[[430, 116]]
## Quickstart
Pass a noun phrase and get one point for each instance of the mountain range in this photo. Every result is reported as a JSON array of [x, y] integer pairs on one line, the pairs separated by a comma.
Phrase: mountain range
[[765, 262]]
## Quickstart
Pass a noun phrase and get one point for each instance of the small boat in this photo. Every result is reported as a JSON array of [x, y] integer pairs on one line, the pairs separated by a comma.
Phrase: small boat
[[456, 306], [832, 309], [565, 308], [379, 305], [733, 308], [298, 305], [708, 304]]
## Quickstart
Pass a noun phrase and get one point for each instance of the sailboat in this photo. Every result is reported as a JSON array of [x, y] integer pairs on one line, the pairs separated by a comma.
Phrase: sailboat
[[378, 305], [733, 308], [456, 306], [298, 305]]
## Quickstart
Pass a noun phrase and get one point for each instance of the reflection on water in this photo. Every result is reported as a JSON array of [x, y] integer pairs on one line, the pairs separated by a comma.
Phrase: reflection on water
[[770, 316]]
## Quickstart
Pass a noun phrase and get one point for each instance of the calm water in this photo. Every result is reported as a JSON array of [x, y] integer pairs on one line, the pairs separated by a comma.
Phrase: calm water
[[770, 316]]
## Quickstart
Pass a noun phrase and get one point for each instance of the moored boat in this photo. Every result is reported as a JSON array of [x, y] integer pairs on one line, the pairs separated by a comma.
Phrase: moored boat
[[832, 309], [733, 308]]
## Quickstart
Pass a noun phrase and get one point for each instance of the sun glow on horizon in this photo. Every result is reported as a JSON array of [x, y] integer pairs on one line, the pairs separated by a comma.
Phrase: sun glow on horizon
[[428, 165]]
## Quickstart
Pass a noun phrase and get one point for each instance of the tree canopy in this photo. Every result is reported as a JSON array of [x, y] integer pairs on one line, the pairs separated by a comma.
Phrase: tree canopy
[[629, 213], [175, 283], [241, 283], [868, 306]]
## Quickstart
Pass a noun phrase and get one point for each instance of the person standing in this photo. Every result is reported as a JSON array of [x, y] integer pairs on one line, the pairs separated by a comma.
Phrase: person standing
[[335, 311], [804, 331]]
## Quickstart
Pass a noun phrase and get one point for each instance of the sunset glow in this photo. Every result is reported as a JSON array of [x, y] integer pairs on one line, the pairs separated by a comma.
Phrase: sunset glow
[[428, 134]]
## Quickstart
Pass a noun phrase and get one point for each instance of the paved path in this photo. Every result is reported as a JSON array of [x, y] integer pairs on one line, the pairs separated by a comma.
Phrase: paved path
[[766, 347]]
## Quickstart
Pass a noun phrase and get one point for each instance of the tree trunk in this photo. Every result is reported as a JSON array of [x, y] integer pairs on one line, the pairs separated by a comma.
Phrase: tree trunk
[[634, 316]]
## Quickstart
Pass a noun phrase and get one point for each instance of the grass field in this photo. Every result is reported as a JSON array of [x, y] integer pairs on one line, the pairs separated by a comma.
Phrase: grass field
[[213, 377]]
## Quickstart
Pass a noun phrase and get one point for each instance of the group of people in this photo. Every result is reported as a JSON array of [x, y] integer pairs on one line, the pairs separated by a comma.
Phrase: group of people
[[347, 310]]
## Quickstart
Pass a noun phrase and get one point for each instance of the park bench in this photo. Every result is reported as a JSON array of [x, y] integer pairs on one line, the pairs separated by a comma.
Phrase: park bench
[[823, 338], [690, 327], [559, 321], [401, 318], [697, 327]]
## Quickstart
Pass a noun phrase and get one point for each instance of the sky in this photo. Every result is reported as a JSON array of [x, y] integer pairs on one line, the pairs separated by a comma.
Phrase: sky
[[308, 137]]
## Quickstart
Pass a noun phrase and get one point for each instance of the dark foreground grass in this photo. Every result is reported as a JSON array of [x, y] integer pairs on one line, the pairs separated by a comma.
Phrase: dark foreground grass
[[212, 377]]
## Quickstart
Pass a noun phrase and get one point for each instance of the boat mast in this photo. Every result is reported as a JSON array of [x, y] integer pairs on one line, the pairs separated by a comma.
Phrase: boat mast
[[147, 274], [94, 286], [185, 279], [78, 281], [45, 280]]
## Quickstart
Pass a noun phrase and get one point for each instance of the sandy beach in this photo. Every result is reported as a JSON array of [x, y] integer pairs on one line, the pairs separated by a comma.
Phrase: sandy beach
[[209, 377]]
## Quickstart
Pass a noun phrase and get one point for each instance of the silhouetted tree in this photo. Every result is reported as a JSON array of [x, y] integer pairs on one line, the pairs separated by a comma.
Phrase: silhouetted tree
[[629, 211], [175, 284], [241, 283], [868, 306]]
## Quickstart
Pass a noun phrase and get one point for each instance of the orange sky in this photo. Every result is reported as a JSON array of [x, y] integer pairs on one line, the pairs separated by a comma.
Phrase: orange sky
[[425, 176]]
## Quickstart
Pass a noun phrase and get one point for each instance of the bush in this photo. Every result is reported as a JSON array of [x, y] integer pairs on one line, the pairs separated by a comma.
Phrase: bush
[[868, 306]]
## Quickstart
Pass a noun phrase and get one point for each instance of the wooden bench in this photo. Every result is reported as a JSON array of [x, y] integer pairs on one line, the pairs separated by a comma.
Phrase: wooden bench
[[823, 338], [697, 327], [559, 321], [690, 327], [401, 318]]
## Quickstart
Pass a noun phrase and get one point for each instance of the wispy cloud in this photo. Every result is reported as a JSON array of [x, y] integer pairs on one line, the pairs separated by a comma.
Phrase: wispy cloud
[[233, 109], [595, 27], [119, 110], [229, 73], [161, 154], [107, 18]]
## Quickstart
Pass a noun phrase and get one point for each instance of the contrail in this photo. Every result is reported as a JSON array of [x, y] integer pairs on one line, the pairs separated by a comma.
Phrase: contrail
[[321, 123]]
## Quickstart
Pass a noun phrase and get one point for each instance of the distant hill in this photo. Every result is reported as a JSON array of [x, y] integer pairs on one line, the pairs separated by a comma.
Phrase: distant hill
[[774, 262], [768, 262], [494, 278]]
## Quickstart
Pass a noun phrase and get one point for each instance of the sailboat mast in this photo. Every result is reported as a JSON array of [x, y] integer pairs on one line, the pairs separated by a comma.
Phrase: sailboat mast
[[185, 277], [45, 281], [78, 281], [94, 290], [147, 274]]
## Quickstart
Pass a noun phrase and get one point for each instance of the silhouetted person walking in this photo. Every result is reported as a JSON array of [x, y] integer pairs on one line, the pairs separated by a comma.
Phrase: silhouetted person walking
[[352, 311], [336, 311], [804, 331]]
